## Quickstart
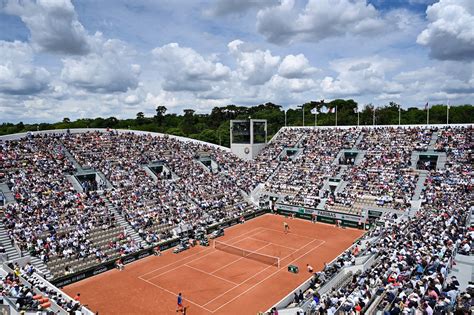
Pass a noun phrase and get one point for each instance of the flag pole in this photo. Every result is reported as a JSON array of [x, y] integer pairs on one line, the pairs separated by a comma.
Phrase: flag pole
[[447, 112], [373, 117], [427, 113], [285, 117], [336, 115], [358, 117], [315, 118], [302, 108], [399, 115]]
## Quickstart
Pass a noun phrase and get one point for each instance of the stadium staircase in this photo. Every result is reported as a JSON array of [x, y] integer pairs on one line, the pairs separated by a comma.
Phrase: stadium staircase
[[9, 198], [356, 144], [201, 165], [463, 270], [434, 138], [123, 223], [71, 158], [13, 252], [40, 267], [420, 185]]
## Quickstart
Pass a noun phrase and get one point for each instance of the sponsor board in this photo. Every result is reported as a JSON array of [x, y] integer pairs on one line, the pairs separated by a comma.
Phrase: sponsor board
[[319, 213], [99, 270]]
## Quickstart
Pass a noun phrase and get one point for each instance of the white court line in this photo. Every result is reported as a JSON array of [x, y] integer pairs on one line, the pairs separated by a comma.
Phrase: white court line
[[233, 262], [198, 253], [200, 257], [256, 274], [289, 233], [207, 273], [271, 275], [176, 294], [256, 239]]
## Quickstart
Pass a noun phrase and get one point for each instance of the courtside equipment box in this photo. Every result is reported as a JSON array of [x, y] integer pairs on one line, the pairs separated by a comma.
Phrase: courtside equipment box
[[293, 268]]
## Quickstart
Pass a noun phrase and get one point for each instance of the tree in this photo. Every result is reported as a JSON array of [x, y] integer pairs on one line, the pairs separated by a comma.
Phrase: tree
[[188, 122], [66, 120], [160, 113], [140, 118], [188, 112]]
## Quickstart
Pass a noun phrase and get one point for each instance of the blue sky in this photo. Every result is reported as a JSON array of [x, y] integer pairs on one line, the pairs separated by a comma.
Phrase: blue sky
[[116, 58]]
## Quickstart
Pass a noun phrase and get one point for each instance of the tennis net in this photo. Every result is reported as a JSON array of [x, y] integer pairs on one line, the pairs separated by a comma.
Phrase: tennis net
[[266, 259]]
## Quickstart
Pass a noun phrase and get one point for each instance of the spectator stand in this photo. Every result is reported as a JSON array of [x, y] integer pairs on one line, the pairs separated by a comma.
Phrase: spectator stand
[[52, 294]]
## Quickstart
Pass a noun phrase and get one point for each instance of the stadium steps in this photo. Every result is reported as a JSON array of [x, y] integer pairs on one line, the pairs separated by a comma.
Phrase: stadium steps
[[359, 139], [300, 141], [338, 157], [104, 179], [9, 198], [360, 157], [12, 253], [463, 270], [121, 220], [420, 185], [5, 240], [255, 194], [322, 204], [71, 158], [434, 138], [201, 165], [441, 163], [41, 267], [342, 186]]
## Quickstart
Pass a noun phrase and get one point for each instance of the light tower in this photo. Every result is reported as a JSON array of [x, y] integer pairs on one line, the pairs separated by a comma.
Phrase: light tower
[[248, 137]]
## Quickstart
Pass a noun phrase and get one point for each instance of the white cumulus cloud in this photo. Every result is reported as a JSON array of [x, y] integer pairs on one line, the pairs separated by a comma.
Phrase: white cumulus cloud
[[108, 68], [318, 20], [358, 76], [296, 67], [53, 25], [18, 74], [450, 32], [254, 66], [184, 69]]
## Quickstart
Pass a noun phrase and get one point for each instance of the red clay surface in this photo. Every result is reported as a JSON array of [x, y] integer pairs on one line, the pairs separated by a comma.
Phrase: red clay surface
[[216, 282]]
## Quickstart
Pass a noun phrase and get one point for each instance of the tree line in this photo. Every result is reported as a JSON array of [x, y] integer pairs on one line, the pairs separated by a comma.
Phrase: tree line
[[214, 126]]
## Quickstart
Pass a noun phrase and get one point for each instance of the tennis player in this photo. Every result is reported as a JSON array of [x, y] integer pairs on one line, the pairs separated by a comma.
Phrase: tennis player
[[286, 227], [180, 307]]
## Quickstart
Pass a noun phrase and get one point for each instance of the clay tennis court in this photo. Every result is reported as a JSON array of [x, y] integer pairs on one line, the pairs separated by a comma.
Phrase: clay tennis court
[[214, 281]]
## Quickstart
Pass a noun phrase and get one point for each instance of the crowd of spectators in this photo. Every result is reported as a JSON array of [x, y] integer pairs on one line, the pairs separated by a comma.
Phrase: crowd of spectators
[[51, 220], [193, 196], [415, 254], [300, 179]]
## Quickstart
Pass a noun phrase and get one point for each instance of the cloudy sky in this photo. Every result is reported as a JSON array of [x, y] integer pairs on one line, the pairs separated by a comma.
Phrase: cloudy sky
[[89, 58]]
